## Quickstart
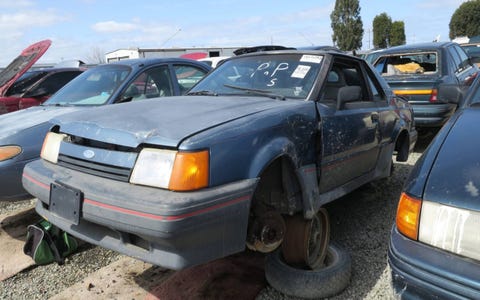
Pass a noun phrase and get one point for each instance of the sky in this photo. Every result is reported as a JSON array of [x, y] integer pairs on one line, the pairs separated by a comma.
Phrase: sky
[[81, 29]]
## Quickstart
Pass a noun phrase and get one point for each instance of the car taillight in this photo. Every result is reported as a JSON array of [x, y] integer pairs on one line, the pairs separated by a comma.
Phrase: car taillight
[[433, 96], [469, 79], [408, 216]]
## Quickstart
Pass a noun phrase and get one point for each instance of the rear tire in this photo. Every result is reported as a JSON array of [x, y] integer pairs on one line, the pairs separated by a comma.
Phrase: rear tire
[[320, 283]]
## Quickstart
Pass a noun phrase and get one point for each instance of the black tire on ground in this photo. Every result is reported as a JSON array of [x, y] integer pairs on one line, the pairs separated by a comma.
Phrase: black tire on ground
[[320, 283]]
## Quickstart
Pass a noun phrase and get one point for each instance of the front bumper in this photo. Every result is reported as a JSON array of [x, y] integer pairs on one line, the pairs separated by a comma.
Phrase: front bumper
[[420, 271], [170, 229]]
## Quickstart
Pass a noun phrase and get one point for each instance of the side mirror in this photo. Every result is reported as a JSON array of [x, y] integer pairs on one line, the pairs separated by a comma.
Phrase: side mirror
[[450, 93]]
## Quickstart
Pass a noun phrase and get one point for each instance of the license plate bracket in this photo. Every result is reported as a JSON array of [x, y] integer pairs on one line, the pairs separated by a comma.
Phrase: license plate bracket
[[65, 202]]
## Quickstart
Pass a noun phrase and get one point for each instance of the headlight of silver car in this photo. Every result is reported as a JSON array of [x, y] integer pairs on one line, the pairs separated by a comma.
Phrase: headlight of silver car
[[174, 170], [51, 146]]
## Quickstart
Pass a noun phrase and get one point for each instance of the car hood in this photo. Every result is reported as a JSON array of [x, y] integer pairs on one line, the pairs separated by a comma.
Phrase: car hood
[[455, 175], [15, 122], [164, 121], [21, 64]]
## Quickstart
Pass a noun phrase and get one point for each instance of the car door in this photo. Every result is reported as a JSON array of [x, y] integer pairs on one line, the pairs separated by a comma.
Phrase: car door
[[348, 125]]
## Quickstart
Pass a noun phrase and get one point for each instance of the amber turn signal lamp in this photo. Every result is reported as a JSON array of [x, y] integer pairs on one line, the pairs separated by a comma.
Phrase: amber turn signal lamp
[[408, 216], [7, 152], [190, 171]]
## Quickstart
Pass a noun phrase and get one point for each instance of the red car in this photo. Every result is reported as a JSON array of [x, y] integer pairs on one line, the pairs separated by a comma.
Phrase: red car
[[21, 89]]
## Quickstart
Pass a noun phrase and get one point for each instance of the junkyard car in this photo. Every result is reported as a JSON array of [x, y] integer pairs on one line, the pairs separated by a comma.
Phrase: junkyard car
[[434, 246], [35, 87], [415, 72], [473, 51], [22, 132], [17, 68], [248, 158]]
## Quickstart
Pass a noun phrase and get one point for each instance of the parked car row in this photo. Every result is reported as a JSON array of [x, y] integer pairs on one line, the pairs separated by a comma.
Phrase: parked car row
[[22, 132], [416, 72], [248, 156], [433, 251]]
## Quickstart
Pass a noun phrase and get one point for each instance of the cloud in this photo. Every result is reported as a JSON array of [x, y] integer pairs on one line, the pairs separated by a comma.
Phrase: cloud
[[16, 4], [28, 20], [114, 27], [441, 4]]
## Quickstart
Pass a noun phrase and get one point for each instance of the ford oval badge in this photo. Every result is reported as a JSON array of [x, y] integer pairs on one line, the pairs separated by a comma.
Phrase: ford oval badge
[[88, 153]]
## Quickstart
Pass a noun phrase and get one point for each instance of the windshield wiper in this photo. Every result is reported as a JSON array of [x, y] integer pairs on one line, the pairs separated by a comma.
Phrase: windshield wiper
[[257, 92], [202, 93]]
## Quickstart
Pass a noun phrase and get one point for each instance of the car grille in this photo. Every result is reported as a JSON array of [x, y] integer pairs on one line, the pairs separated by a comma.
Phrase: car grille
[[93, 168]]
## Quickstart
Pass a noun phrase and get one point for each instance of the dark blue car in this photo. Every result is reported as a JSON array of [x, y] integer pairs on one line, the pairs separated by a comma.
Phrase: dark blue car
[[22, 132], [416, 71], [434, 247], [247, 158]]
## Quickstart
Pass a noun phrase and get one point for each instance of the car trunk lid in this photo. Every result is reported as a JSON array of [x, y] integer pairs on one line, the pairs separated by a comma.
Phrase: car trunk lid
[[416, 89]]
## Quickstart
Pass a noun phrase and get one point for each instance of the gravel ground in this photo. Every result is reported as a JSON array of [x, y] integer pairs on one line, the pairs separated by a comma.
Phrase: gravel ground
[[361, 223]]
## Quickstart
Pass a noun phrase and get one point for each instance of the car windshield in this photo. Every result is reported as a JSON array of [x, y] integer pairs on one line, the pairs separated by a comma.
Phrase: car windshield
[[277, 76], [24, 82], [93, 87], [407, 63]]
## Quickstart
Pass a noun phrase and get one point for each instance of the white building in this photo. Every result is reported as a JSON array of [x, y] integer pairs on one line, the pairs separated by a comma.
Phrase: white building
[[168, 52]]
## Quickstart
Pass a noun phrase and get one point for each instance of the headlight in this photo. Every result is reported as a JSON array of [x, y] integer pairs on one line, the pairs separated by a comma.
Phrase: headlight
[[51, 146], [7, 152], [178, 171]]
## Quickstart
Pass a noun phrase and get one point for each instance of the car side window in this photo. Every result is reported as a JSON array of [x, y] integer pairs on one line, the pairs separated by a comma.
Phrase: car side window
[[187, 76], [460, 61], [375, 87], [463, 57], [345, 87], [154, 82]]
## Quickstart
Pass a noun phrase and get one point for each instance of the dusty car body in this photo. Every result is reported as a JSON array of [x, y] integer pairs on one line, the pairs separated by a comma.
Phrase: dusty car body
[[263, 136], [415, 72], [434, 244], [22, 132]]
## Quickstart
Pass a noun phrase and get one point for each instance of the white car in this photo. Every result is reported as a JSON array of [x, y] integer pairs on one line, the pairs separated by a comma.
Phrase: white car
[[213, 61]]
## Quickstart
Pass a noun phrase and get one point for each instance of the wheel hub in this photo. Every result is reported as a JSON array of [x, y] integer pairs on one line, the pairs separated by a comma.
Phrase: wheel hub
[[306, 241]]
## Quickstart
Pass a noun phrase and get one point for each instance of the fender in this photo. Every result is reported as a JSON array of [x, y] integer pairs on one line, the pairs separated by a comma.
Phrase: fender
[[306, 174]]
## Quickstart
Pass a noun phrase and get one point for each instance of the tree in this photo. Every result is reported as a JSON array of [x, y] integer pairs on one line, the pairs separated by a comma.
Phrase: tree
[[347, 25], [465, 20], [382, 25], [397, 33], [97, 56]]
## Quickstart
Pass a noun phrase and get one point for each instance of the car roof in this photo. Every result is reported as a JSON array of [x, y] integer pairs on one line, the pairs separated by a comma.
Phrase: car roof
[[418, 47], [295, 51], [55, 69], [151, 61]]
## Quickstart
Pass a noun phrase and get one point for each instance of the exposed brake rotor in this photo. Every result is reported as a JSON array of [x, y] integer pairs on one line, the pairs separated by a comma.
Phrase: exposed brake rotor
[[306, 241]]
